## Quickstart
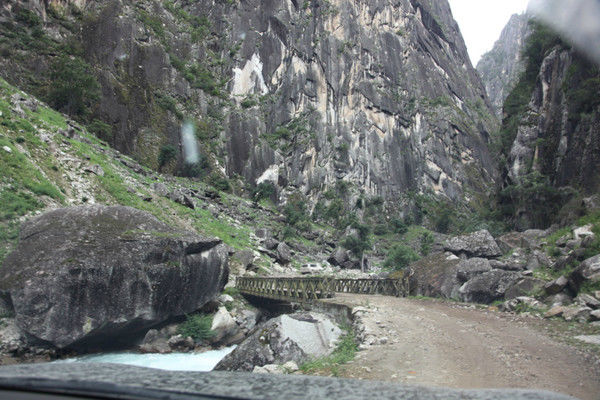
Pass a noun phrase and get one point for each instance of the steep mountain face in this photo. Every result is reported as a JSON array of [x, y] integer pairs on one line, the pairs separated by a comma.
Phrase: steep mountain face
[[380, 94], [553, 118], [560, 133], [500, 67]]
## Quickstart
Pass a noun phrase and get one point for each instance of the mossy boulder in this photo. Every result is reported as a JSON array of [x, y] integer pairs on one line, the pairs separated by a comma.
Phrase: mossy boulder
[[94, 277]]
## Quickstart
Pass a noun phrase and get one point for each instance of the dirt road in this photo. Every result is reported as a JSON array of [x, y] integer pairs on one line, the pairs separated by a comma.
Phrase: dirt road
[[446, 344]]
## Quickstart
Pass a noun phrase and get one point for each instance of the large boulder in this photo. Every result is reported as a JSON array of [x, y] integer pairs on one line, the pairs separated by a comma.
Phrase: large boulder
[[284, 253], [476, 244], [296, 337], [435, 276], [242, 261], [469, 268], [224, 326], [338, 257], [556, 286], [155, 341], [530, 239], [488, 287], [587, 300], [97, 276], [526, 286], [587, 272]]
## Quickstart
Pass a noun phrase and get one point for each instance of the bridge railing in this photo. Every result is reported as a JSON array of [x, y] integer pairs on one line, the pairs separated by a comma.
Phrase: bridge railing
[[308, 289]]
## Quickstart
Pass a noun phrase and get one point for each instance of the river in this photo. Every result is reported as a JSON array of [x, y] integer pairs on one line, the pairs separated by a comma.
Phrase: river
[[172, 362]]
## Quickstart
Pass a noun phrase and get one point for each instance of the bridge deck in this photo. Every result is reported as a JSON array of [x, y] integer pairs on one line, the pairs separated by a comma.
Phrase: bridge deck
[[309, 289]]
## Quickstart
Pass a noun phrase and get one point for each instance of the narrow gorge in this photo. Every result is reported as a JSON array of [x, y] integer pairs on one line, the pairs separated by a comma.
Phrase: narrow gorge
[[294, 188]]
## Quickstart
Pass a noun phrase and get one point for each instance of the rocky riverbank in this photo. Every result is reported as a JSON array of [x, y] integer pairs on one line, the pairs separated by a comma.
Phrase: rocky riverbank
[[556, 272]]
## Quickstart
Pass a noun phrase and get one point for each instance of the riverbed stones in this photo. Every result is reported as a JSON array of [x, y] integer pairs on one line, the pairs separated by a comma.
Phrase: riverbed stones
[[295, 337], [106, 275]]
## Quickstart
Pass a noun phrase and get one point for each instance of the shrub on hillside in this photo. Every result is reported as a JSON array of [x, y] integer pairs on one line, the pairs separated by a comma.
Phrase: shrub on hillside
[[167, 153], [101, 130], [73, 87], [400, 257], [398, 226], [360, 242], [295, 209], [427, 241], [197, 326], [219, 182], [264, 190]]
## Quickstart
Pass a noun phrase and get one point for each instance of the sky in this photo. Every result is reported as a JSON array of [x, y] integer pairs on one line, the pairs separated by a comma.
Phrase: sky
[[482, 21]]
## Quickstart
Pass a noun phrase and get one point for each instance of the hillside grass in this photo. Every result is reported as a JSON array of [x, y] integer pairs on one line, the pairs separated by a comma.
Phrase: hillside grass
[[32, 179], [344, 352], [28, 173]]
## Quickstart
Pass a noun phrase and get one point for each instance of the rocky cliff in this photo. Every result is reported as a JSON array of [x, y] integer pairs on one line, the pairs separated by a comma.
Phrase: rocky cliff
[[303, 94], [551, 131], [380, 94], [559, 135], [500, 67]]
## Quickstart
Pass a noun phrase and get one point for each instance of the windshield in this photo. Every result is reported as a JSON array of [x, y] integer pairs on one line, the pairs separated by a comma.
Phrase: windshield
[[300, 199]]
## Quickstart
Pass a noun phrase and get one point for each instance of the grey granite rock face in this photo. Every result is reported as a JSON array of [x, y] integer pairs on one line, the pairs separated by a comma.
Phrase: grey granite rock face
[[500, 67], [96, 276], [552, 140], [381, 94], [130, 379]]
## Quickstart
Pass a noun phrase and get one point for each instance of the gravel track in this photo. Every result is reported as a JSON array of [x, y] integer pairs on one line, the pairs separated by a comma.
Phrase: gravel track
[[446, 344]]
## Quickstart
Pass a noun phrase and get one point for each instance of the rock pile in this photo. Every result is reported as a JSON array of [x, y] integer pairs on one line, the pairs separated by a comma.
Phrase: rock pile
[[469, 270], [478, 268]]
